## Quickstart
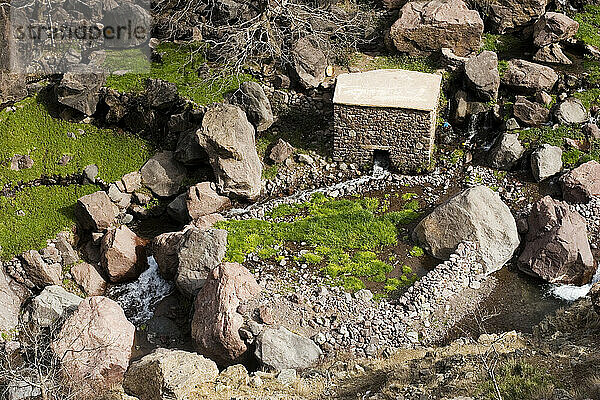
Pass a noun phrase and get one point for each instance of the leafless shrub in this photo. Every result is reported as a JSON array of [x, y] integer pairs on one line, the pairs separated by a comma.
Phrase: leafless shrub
[[263, 32], [29, 364]]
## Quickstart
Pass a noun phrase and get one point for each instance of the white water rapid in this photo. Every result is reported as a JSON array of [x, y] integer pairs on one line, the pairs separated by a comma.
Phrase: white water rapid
[[572, 292], [140, 297]]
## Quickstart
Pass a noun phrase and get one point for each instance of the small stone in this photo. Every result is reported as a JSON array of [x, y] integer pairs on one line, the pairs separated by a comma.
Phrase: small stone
[[287, 376], [591, 131], [306, 159], [364, 295], [132, 181], [91, 172], [256, 382], [475, 285], [512, 124], [329, 71], [20, 162], [64, 160]]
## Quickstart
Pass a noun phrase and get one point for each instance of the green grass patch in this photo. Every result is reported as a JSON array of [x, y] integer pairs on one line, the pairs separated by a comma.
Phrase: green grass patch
[[592, 70], [407, 278], [345, 235], [416, 251], [507, 46], [589, 25], [411, 63], [270, 172], [589, 97], [502, 67], [179, 65], [531, 138], [547, 134], [31, 130], [45, 212], [131, 60], [519, 380]]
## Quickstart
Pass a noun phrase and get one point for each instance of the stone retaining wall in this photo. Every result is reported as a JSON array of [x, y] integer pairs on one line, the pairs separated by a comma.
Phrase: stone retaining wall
[[338, 321], [415, 317], [406, 136]]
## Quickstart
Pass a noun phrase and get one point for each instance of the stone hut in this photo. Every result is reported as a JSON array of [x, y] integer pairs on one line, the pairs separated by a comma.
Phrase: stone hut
[[386, 113]]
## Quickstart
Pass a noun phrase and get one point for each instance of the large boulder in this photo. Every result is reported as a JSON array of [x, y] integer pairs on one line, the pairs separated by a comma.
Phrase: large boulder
[[39, 272], [482, 75], [95, 211], [478, 215], [168, 375], [89, 278], [161, 95], [281, 151], [198, 254], [581, 183], [309, 62], [546, 161], [552, 54], [506, 152], [68, 254], [53, 304], [137, 15], [529, 77], [12, 296], [188, 150], [216, 322], [433, 25], [163, 174], [280, 349], [228, 138], [177, 209], [123, 254], [571, 111], [164, 249], [553, 27], [507, 15], [132, 181], [200, 200], [529, 112], [557, 248], [466, 107], [252, 98], [13, 87], [203, 199], [80, 91], [95, 343], [206, 222]]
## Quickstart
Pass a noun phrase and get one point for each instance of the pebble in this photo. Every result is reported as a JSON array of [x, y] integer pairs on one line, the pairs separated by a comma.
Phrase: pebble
[[287, 376]]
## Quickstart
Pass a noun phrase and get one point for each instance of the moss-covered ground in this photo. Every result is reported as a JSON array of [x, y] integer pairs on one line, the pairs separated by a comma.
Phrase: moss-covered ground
[[531, 138], [179, 64], [589, 25], [346, 237], [36, 214], [31, 130]]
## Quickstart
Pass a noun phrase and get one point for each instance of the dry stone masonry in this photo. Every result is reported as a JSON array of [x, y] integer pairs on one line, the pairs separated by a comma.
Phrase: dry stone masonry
[[387, 112]]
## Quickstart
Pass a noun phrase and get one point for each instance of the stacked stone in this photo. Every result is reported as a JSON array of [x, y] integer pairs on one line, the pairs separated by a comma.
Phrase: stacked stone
[[407, 135], [356, 323]]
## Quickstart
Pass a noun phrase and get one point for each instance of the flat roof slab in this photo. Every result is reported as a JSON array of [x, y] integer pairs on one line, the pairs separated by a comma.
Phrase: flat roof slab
[[395, 88]]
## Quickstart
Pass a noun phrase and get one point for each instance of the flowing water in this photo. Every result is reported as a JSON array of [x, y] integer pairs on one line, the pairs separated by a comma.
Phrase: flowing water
[[572, 292], [517, 302], [140, 297]]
